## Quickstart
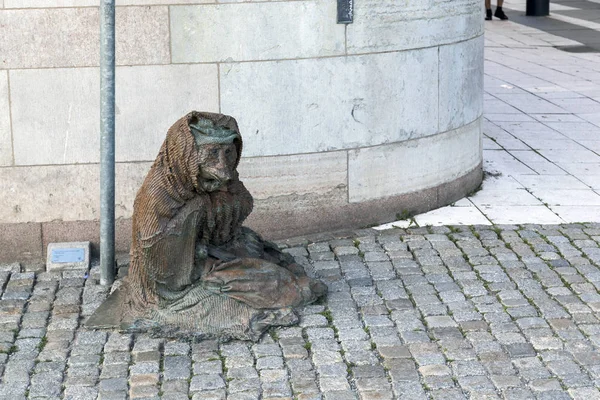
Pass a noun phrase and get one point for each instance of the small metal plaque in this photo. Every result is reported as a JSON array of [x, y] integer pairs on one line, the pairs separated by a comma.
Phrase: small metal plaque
[[68, 255], [345, 11]]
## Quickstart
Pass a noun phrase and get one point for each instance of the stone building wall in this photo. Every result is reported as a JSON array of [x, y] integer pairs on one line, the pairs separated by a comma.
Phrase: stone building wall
[[344, 126]]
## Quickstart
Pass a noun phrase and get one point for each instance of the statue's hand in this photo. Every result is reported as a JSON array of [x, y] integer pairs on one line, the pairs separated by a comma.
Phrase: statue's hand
[[200, 257], [220, 254], [201, 252], [253, 243]]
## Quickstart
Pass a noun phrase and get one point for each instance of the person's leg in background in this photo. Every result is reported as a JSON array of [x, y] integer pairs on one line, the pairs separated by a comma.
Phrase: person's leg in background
[[488, 10], [499, 12]]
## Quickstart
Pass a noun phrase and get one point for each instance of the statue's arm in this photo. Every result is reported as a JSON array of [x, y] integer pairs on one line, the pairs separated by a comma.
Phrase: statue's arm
[[242, 198]]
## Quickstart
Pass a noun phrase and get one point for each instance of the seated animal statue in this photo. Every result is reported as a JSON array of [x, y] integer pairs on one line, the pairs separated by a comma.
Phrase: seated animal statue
[[195, 270]]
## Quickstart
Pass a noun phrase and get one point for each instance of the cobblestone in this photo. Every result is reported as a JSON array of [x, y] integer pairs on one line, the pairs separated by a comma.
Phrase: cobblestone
[[453, 315]]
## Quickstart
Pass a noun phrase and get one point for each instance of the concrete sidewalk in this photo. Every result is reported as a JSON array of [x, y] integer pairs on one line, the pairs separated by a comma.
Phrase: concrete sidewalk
[[542, 121]]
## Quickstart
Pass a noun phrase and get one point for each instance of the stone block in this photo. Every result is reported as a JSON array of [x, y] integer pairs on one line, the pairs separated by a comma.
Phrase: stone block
[[332, 103], [68, 255], [381, 25], [64, 192], [20, 242], [206, 382], [455, 190], [461, 83], [405, 167], [159, 2], [290, 216], [300, 174], [297, 210], [5, 134], [255, 31], [69, 37], [60, 131], [49, 3], [66, 129], [91, 3]]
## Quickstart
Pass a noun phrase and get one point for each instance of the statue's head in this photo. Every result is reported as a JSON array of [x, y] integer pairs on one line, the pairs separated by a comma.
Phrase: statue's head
[[218, 147]]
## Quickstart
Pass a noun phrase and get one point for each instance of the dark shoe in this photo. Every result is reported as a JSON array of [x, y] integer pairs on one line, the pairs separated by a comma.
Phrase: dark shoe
[[488, 14], [500, 14]]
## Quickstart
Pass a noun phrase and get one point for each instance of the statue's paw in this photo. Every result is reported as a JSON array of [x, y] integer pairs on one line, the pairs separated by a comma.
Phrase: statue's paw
[[318, 288], [312, 289], [269, 318], [296, 269], [287, 317]]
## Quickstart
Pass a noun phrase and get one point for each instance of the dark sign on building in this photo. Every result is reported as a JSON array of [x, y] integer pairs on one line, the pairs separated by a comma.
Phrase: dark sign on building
[[345, 11]]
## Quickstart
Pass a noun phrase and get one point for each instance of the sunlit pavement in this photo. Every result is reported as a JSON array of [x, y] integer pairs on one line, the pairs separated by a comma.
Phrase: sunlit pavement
[[541, 143]]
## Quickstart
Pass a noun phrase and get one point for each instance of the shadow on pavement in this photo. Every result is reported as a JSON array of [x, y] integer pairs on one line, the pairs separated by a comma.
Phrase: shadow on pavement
[[588, 11]]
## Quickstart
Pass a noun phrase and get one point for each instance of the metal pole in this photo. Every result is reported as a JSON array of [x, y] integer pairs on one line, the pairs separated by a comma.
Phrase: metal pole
[[107, 142]]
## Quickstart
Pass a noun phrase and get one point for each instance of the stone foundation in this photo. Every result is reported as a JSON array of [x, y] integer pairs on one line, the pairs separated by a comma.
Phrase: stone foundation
[[344, 126], [275, 219]]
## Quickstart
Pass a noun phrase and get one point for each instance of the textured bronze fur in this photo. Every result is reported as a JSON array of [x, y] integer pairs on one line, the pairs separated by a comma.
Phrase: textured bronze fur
[[194, 269]]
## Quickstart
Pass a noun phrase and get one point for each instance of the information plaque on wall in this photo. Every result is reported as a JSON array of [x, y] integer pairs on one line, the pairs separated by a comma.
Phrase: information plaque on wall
[[68, 255], [345, 11]]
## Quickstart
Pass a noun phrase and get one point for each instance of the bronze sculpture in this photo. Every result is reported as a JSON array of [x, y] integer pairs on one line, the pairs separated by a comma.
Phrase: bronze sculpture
[[195, 270]]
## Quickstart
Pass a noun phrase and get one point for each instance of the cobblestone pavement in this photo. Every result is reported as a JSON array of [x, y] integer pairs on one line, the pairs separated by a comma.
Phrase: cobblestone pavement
[[482, 312]]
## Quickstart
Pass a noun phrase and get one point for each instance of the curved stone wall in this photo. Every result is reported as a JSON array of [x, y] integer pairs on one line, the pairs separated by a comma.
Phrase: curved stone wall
[[344, 125]]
